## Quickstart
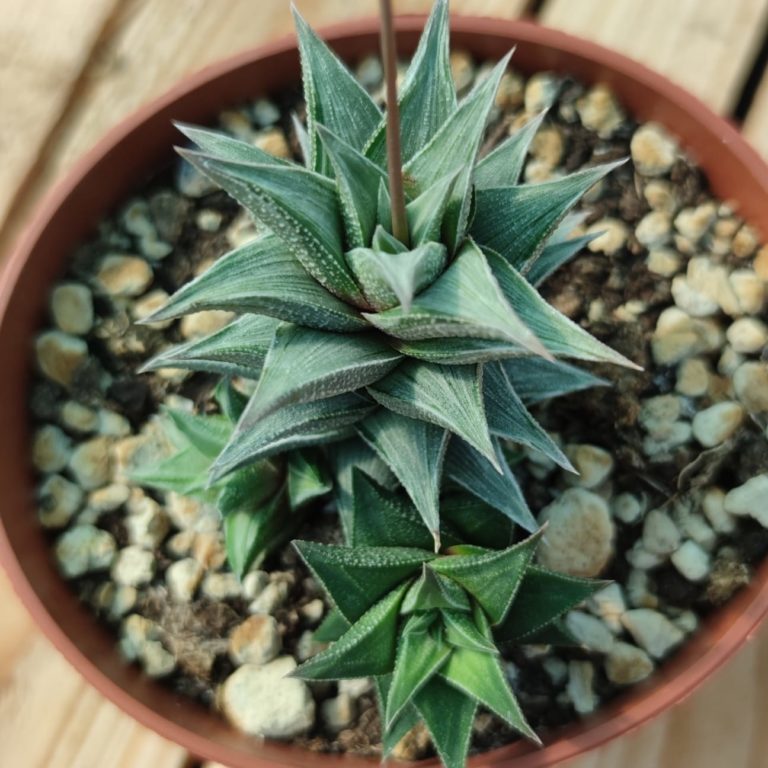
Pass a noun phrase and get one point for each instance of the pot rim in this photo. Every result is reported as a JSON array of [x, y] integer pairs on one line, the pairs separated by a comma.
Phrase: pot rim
[[720, 636]]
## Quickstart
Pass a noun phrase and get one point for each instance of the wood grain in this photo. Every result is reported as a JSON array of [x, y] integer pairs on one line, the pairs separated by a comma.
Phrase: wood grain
[[708, 46], [756, 123]]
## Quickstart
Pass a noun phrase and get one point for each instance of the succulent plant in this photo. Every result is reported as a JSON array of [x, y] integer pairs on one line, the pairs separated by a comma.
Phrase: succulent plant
[[429, 627], [403, 341], [262, 505]]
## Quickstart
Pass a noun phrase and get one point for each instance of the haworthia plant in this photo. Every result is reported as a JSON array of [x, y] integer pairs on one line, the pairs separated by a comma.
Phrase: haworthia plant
[[336, 306]]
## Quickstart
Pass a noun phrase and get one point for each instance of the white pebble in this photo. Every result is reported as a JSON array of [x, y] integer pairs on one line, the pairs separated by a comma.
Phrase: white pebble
[[713, 507], [652, 631], [747, 335], [716, 424], [593, 465], [51, 449], [691, 561], [609, 604], [627, 664], [124, 275], [627, 508], [653, 150], [83, 549], [133, 566], [255, 641], [663, 261], [654, 229], [589, 631], [90, 463], [581, 675], [750, 499], [692, 377], [750, 381], [221, 586], [60, 355], [72, 308], [182, 578], [660, 534], [58, 501]]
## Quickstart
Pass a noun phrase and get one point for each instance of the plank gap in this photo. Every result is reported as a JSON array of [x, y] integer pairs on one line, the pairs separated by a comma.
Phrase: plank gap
[[753, 80]]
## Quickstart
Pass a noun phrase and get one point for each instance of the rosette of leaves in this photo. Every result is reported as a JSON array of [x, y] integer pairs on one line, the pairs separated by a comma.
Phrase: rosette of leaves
[[262, 505], [412, 342], [429, 627]]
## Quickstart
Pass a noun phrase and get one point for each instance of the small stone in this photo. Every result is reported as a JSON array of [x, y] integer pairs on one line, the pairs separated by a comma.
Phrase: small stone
[[180, 544], [153, 249], [255, 641], [749, 290], [692, 301], [638, 589], [111, 424], [147, 523], [600, 111], [191, 183], [695, 527], [51, 449], [221, 586], [270, 598], [135, 632], [594, 465], [750, 381], [660, 534], [511, 91], [652, 631], [581, 676], [658, 415], [236, 123], [660, 196], [355, 686], [693, 223], [663, 261], [540, 92], [680, 433], [307, 646], [627, 664], [209, 220], [369, 72], [169, 212], [745, 242], [747, 335], [713, 507], [627, 508], [609, 604], [613, 238], [254, 583], [760, 264], [579, 536], [147, 305], [589, 631], [640, 558], [338, 713], [262, 701], [58, 501], [692, 377], [123, 600], [124, 275], [654, 229], [273, 142], [749, 499], [312, 611], [201, 324], [726, 578], [108, 498], [265, 113], [136, 219], [83, 549], [729, 361], [462, 70], [156, 660], [556, 669], [653, 150], [133, 566], [208, 549], [679, 336], [716, 424], [547, 146], [77, 417], [90, 463], [72, 308], [691, 561], [60, 355]]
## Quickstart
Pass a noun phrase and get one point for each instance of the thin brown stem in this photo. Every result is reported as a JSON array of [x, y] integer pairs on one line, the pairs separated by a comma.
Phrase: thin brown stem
[[394, 155]]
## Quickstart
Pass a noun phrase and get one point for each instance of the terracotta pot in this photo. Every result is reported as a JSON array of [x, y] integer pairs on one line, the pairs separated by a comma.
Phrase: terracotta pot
[[119, 165]]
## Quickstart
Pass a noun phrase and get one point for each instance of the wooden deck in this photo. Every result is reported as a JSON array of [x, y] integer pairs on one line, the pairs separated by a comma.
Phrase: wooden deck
[[70, 69]]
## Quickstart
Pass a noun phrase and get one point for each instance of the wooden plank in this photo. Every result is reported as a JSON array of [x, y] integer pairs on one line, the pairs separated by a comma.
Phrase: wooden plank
[[154, 44], [756, 123], [44, 47], [50, 717], [708, 46]]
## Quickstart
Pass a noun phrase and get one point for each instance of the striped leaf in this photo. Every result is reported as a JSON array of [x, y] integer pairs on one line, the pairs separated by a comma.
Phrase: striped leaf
[[536, 379], [458, 351], [226, 148], [426, 212], [307, 479], [462, 632]]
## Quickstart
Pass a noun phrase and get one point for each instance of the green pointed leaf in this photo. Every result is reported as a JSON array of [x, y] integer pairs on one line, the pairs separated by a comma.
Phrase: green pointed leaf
[[332, 627], [426, 212], [384, 207], [471, 471], [475, 522], [207, 434], [303, 139], [299, 206], [307, 480], [480, 676], [185, 473], [454, 147], [238, 349], [492, 578], [502, 167], [510, 419], [304, 364], [560, 336], [420, 654], [356, 577], [225, 147], [462, 632], [334, 97], [346, 457], [554, 256], [383, 518], [543, 597], [358, 182], [555, 633], [431, 592], [385, 242], [295, 426], [458, 351], [448, 396], [427, 96], [516, 221], [465, 301], [265, 278], [231, 402], [367, 649], [536, 379], [414, 451], [389, 279], [448, 714], [390, 737]]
